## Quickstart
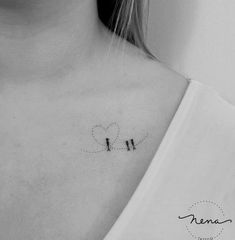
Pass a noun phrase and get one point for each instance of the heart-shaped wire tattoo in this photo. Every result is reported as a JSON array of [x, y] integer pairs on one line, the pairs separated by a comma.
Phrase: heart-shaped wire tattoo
[[108, 139]]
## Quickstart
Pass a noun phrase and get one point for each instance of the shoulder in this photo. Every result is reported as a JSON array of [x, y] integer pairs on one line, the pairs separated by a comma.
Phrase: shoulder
[[134, 69], [125, 58], [147, 91], [161, 86]]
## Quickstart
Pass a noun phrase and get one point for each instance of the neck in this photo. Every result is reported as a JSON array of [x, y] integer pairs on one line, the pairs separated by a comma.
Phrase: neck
[[42, 38]]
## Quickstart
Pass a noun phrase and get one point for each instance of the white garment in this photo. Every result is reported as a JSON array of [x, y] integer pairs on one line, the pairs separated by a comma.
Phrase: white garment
[[194, 166]]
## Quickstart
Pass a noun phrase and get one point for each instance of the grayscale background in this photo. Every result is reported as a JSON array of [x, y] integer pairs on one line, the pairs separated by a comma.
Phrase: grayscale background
[[196, 38]]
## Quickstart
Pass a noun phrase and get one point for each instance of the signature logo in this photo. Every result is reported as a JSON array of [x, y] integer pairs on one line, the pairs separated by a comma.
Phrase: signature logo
[[205, 220]]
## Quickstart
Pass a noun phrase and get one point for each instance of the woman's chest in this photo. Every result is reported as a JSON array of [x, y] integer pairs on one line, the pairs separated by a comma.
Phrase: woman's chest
[[50, 193], [69, 168], [58, 177]]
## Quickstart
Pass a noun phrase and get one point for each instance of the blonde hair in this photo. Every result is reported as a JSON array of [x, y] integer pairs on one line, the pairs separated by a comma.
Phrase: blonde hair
[[128, 19]]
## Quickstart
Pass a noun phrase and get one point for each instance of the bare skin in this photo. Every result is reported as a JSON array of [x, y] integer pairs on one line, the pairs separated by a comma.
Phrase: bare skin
[[57, 81]]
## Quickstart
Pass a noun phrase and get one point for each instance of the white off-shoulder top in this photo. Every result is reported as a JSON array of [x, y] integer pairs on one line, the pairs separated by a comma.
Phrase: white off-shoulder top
[[188, 190]]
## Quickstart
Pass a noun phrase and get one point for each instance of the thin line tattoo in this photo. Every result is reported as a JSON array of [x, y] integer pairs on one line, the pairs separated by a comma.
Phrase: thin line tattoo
[[133, 144], [108, 144], [109, 139], [128, 147]]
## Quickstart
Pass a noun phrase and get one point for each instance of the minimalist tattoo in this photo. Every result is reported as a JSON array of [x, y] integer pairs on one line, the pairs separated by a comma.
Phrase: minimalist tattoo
[[131, 145], [108, 139], [108, 144], [128, 147]]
